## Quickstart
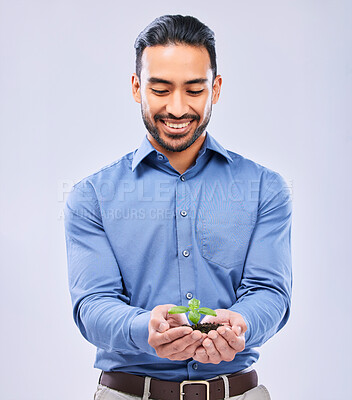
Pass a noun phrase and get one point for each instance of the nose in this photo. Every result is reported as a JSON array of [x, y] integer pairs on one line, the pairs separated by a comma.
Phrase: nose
[[177, 104]]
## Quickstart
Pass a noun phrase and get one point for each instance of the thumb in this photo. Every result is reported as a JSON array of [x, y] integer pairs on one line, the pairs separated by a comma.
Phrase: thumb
[[238, 324], [207, 319], [237, 329], [163, 326], [158, 317]]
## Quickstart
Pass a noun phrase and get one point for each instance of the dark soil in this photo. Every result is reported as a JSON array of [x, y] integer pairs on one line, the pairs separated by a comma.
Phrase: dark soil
[[206, 327]]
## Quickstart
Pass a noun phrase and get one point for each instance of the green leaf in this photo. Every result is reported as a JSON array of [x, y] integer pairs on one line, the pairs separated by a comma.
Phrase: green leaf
[[178, 310], [207, 311], [194, 316], [194, 304]]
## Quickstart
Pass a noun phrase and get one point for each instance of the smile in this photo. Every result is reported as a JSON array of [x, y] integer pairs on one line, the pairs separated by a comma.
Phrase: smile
[[177, 126], [173, 128]]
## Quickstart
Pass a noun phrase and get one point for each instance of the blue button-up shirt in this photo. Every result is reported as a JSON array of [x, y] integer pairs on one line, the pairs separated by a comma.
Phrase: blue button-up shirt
[[140, 234]]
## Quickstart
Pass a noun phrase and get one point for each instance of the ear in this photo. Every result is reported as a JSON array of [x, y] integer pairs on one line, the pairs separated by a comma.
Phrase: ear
[[136, 88], [216, 89]]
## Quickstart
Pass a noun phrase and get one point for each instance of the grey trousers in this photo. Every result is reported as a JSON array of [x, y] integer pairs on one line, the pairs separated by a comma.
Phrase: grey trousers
[[104, 393]]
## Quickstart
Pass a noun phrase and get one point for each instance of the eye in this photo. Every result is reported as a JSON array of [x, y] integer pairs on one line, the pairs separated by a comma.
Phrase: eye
[[159, 91], [195, 91]]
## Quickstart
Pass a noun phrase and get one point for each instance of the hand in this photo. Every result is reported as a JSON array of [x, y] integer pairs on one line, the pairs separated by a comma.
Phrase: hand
[[170, 339], [224, 343]]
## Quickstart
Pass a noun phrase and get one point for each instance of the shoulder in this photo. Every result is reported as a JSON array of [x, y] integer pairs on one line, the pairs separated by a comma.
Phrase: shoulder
[[88, 191], [267, 181], [114, 169], [252, 169]]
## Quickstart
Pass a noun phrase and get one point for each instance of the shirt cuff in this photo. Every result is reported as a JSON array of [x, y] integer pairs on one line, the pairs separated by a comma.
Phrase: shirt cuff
[[139, 332]]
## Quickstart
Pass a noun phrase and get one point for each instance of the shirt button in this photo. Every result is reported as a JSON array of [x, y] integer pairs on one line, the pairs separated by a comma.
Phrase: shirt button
[[195, 366], [182, 178], [189, 295], [183, 213], [160, 157], [185, 253]]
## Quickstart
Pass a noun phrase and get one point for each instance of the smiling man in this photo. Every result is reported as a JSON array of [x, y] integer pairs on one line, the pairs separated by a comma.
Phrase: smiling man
[[179, 218]]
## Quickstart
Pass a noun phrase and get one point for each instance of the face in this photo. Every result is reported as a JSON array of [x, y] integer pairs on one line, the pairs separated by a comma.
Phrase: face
[[176, 94]]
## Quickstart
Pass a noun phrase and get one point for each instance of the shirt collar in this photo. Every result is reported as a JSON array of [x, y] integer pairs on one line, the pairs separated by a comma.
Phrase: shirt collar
[[142, 152], [214, 145], [146, 148]]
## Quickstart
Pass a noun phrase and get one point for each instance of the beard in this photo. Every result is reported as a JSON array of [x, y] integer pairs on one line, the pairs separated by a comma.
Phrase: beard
[[153, 130]]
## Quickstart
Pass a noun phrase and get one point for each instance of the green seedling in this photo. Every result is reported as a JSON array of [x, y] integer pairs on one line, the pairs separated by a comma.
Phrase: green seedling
[[194, 310]]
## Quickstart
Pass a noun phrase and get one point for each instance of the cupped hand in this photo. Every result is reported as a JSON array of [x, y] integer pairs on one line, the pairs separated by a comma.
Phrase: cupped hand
[[169, 338], [224, 343]]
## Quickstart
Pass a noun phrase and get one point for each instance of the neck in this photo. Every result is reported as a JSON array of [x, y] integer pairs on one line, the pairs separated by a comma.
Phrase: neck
[[180, 160]]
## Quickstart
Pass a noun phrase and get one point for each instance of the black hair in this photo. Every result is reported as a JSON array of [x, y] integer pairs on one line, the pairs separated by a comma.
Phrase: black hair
[[176, 29]]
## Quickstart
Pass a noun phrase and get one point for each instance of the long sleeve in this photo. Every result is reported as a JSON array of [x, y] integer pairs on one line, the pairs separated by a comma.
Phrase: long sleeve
[[101, 308], [264, 295]]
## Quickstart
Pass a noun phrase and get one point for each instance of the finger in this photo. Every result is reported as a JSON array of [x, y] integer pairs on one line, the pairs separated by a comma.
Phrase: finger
[[188, 352], [212, 352], [177, 320], [201, 355], [158, 339], [238, 344], [238, 329], [227, 353], [238, 323], [215, 320], [158, 324], [208, 319], [228, 334], [178, 346], [158, 317], [235, 342]]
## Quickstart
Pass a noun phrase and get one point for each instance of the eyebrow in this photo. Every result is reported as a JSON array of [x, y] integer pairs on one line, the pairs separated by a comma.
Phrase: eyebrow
[[190, 82]]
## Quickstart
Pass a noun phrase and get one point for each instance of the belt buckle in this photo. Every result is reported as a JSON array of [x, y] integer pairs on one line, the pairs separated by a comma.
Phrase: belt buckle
[[206, 383]]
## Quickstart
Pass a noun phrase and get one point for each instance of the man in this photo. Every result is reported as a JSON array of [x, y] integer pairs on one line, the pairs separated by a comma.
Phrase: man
[[179, 218]]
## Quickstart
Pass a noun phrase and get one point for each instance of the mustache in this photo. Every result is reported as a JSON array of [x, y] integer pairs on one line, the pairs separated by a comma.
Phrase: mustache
[[158, 117]]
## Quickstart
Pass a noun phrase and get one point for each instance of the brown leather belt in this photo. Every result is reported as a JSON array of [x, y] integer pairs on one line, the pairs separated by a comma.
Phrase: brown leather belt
[[186, 390]]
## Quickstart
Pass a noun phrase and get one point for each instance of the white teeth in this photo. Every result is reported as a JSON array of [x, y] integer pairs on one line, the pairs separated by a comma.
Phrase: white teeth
[[177, 126]]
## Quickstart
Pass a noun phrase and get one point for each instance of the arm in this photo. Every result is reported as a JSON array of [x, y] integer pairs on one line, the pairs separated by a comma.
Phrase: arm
[[264, 295], [101, 309]]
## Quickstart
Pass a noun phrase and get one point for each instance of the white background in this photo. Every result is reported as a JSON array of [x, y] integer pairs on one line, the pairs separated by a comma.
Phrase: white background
[[66, 110]]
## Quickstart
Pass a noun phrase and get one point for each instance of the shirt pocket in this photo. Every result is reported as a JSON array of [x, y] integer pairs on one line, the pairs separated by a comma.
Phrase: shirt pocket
[[225, 237]]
